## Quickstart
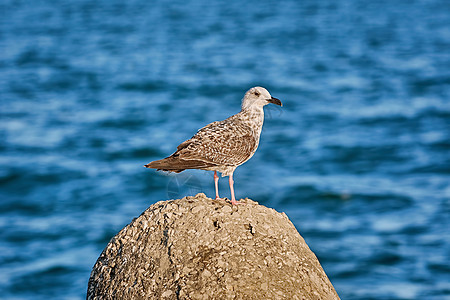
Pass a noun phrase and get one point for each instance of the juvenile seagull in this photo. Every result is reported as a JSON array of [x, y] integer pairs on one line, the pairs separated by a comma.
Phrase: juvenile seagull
[[222, 146]]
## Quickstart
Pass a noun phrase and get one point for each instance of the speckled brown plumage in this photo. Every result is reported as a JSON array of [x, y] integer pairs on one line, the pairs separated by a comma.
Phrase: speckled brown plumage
[[222, 145]]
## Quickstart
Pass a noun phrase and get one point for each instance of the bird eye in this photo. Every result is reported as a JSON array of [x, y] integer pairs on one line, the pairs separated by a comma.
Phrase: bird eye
[[257, 94]]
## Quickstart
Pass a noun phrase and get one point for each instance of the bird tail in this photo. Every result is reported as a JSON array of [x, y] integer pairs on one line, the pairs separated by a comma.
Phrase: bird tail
[[177, 165], [165, 164]]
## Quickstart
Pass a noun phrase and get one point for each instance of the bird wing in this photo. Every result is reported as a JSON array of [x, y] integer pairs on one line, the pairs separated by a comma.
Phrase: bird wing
[[229, 142]]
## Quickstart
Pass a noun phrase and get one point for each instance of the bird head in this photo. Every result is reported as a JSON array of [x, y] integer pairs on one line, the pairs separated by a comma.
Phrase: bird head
[[258, 97]]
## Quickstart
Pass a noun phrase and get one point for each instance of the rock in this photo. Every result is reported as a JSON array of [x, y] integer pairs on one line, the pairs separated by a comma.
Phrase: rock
[[219, 252]]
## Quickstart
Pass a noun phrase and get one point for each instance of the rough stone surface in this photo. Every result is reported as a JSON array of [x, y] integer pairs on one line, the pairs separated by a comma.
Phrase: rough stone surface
[[201, 248]]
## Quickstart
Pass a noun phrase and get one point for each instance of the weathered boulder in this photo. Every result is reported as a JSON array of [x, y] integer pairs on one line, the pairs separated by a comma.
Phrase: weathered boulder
[[201, 248]]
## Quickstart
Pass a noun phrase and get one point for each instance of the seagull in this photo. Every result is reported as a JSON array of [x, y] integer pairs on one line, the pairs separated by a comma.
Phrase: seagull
[[222, 146]]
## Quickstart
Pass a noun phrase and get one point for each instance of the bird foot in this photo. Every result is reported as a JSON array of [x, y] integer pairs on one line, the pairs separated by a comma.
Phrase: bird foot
[[234, 202]]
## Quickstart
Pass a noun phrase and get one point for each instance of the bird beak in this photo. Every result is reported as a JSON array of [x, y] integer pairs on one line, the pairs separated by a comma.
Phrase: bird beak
[[275, 101]]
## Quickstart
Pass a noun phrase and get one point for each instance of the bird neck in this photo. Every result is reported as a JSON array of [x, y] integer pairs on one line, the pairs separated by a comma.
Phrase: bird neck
[[255, 115]]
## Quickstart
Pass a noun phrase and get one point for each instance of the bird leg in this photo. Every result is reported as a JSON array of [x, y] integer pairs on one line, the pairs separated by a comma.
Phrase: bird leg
[[231, 182], [216, 183]]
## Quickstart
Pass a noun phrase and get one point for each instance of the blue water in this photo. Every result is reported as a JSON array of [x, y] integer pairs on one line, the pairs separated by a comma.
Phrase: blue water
[[358, 157]]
